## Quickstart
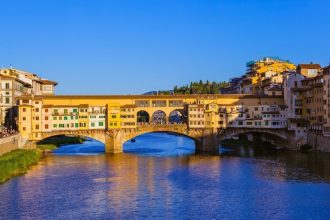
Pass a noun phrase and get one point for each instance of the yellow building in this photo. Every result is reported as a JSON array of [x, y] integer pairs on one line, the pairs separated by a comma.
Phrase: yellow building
[[267, 72], [46, 114], [308, 70]]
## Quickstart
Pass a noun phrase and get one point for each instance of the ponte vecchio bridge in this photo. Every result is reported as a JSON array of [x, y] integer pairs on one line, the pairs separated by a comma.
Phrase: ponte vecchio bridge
[[113, 120]]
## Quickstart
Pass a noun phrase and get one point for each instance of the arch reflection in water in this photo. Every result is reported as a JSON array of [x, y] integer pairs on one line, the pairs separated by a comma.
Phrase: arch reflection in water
[[88, 147], [160, 144]]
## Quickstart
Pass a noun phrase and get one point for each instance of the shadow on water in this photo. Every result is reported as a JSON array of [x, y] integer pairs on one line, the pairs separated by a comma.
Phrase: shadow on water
[[286, 165]]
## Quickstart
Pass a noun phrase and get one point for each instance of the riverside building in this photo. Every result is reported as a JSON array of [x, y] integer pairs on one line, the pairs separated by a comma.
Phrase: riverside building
[[15, 83]]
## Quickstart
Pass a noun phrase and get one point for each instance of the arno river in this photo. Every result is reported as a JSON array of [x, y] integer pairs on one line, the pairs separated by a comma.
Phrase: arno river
[[159, 176]]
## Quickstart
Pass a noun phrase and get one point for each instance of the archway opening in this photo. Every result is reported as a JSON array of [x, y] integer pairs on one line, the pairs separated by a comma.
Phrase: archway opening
[[71, 145], [158, 117], [160, 144], [176, 117], [142, 117], [249, 144]]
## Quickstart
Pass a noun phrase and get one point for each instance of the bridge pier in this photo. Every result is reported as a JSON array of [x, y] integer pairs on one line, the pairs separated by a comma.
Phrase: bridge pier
[[114, 141], [208, 143]]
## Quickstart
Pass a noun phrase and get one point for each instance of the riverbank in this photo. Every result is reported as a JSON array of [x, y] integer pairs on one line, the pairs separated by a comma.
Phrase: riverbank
[[17, 162], [53, 143]]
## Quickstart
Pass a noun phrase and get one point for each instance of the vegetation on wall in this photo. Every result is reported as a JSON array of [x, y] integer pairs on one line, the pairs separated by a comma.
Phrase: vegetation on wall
[[54, 142]]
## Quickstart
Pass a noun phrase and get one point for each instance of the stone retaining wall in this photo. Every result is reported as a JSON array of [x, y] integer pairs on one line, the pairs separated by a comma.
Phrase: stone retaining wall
[[10, 143], [319, 142]]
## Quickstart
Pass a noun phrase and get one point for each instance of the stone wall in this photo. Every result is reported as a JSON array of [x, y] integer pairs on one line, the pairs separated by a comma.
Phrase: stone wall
[[319, 142], [8, 144]]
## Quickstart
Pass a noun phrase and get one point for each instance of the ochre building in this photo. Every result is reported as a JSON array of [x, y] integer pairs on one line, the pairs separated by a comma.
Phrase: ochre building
[[44, 116]]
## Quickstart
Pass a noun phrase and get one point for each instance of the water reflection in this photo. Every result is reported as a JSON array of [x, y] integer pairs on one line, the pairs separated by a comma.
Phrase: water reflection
[[89, 147], [286, 185], [160, 144]]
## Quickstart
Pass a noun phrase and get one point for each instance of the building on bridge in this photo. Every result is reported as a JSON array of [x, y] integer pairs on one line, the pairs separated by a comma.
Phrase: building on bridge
[[44, 116]]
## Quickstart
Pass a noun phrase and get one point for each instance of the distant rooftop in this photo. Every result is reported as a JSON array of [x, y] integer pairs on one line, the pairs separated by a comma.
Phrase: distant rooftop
[[264, 59]]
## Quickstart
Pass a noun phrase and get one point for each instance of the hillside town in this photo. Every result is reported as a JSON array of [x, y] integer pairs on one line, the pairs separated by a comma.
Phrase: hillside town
[[305, 90], [273, 93]]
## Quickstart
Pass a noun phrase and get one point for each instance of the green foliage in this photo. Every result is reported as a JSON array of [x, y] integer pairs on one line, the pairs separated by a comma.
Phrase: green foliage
[[61, 140], [200, 88], [17, 162], [305, 147], [257, 145], [46, 147]]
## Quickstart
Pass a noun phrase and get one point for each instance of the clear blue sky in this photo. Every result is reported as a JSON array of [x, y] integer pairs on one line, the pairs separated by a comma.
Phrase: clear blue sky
[[134, 46]]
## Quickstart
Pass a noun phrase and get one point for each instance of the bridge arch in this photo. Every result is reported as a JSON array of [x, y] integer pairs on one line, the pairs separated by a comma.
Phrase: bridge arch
[[165, 132], [97, 135], [159, 117], [142, 116], [278, 137], [176, 116]]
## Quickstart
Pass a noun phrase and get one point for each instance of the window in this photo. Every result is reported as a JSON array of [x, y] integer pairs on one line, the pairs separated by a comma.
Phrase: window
[[142, 103], [76, 125], [46, 110], [37, 127], [113, 116], [7, 100], [175, 103], [158, 103], [93, 124], [54, 118], [100, 123], [37, 109], [24, 118], [46, 118], [24, 128], [55, 125], [75, 110], [7, 85], [46, 126], [65, 118], [24, 109]]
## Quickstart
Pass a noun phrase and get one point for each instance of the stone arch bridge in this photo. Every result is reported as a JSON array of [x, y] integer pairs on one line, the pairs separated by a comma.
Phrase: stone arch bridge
[[206, 140]]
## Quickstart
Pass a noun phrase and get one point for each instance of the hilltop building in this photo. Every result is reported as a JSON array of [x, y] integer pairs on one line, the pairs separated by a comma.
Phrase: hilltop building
[[267, 73]]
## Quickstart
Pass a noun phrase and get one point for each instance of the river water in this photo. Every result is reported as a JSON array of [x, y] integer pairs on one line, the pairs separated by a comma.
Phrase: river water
[[159, 176]]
